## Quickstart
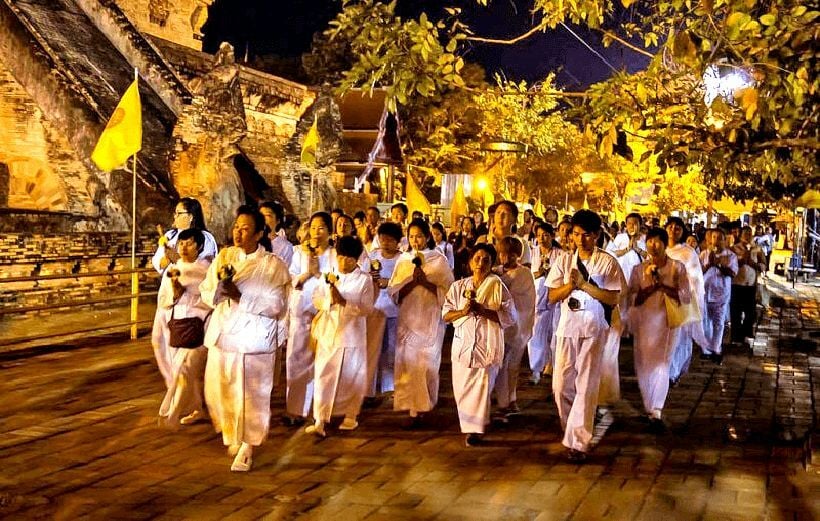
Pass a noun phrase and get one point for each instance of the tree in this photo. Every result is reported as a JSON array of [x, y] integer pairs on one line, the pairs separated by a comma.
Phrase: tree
[[760, 141]]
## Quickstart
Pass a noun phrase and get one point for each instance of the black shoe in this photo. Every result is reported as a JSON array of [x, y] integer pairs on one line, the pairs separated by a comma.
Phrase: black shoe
[[414, 422], [472, 440], [656, 426], [371, 402], [292, 421], [717, 358], [706, 356], [576, 456]]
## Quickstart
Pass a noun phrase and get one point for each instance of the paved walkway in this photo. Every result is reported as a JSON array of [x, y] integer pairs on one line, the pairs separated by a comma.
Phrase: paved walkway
[[79, 439]]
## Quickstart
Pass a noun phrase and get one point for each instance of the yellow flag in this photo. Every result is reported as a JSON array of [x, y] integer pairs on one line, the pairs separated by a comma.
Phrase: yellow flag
[[458, 207], [586, 204], [539, 209], [310, 144], [122, 137], [415, 197]]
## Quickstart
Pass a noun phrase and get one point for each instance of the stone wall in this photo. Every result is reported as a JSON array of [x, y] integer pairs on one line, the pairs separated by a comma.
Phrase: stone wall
[[29, 255], [179, 21]]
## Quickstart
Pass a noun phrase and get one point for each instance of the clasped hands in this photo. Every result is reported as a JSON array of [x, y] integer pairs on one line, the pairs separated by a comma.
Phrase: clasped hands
[[226, 288]]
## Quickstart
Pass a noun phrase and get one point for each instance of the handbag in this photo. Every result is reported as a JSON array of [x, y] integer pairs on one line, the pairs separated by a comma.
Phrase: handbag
[[677, 314], [186, 333]]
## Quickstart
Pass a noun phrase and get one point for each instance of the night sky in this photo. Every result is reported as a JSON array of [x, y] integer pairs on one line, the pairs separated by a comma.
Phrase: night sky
[[287, 29]]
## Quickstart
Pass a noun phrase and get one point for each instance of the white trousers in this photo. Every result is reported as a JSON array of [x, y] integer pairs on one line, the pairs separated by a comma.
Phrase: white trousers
[[575, 382], [713, 324], [506, 383], [237, 391], [609, 391], [299, 367], [682, 354], [472, 388], [185, 393], [340, 382], [653, 353]]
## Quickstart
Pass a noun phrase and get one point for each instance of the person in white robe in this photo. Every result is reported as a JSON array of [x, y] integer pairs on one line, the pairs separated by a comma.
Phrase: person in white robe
[[418, 285], [679, 250], [440, 239], [248, 288], [343, 300], [630, 250], [274, 215], [187, 215], [503, 220], [584, 283], [519, 281], [540, 349], [382, 323], [179, 297], [653, 282], [480, 308], [310, 260], [719, 266]]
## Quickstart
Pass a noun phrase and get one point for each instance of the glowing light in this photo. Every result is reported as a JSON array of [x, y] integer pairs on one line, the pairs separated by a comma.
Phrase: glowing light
[[725, 81], [481, 184]]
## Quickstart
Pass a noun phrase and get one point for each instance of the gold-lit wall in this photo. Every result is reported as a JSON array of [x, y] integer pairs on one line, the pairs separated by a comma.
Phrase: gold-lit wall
[[179, 21]]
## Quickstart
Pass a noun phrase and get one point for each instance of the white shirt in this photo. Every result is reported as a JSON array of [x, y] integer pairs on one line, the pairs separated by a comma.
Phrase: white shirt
[[589, 320], [208, 252], [718, 287], [384, 302]]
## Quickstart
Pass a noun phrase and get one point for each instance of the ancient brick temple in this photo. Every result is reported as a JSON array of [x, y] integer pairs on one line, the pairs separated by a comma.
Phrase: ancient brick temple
[[213, 129]]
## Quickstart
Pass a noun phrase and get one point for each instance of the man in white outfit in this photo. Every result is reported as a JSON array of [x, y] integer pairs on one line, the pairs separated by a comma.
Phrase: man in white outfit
[[588, 284]]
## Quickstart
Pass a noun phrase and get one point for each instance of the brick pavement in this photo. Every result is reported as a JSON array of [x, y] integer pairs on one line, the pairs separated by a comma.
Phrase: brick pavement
[[80, 440]]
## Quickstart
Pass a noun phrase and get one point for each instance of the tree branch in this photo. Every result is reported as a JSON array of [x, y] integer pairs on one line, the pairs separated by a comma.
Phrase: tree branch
[[511, 41], [626, 43], [810, 143]]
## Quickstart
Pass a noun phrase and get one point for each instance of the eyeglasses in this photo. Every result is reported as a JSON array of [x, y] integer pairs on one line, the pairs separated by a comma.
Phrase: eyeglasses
[[182, 213]]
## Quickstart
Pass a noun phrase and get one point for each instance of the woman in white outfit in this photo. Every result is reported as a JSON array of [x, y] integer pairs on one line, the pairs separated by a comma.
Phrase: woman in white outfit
[[179, 298], [479, 307], [248, 288], [187, 215], [653, 282], [418, 285]]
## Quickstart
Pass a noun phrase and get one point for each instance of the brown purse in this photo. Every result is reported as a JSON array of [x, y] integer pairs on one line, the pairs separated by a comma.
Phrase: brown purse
[[186, 333]]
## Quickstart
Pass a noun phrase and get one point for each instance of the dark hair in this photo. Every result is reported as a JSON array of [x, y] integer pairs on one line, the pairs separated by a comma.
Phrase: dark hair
[[467, 218], [258, 218], [402, 207], [195, 234], [587, 220], [337, 210], [658, 232], [547, 227], [418, 214], [440, 228], [513, 244], [487, 247], [678, 222], [390, 229], [347, 218], [509, 204], [374, 208], [634, 215], [277, 210], [491, 208], [360, 215], [326, 218], [193, 207], [349, 246], [422, 225]]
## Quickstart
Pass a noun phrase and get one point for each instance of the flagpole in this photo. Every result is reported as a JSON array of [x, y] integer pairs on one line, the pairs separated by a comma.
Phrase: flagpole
[[134, 278]]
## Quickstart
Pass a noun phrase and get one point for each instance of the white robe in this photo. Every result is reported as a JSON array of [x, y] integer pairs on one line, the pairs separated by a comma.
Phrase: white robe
[[420, 331], [478, 348], [682, 354], [162, 352], [718, 290], [520, 283], [340, 338], [299, 361], [186, 370], [654, 340], [541, 349], [241, 341], [627, 262], [580, 340], [381, 332]]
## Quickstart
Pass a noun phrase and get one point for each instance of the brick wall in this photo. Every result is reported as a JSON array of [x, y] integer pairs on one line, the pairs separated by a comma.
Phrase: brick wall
[[28, 254]]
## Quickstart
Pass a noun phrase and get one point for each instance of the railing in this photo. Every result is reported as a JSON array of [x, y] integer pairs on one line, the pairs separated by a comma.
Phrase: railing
[[133, 297]]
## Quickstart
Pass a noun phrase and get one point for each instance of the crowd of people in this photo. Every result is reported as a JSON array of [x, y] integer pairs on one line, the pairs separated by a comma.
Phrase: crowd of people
[[356, 309]]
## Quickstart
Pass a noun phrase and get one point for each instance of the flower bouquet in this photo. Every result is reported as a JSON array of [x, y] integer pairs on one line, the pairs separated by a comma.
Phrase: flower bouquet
[[226, 272], [375, 266], [331, 278]]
